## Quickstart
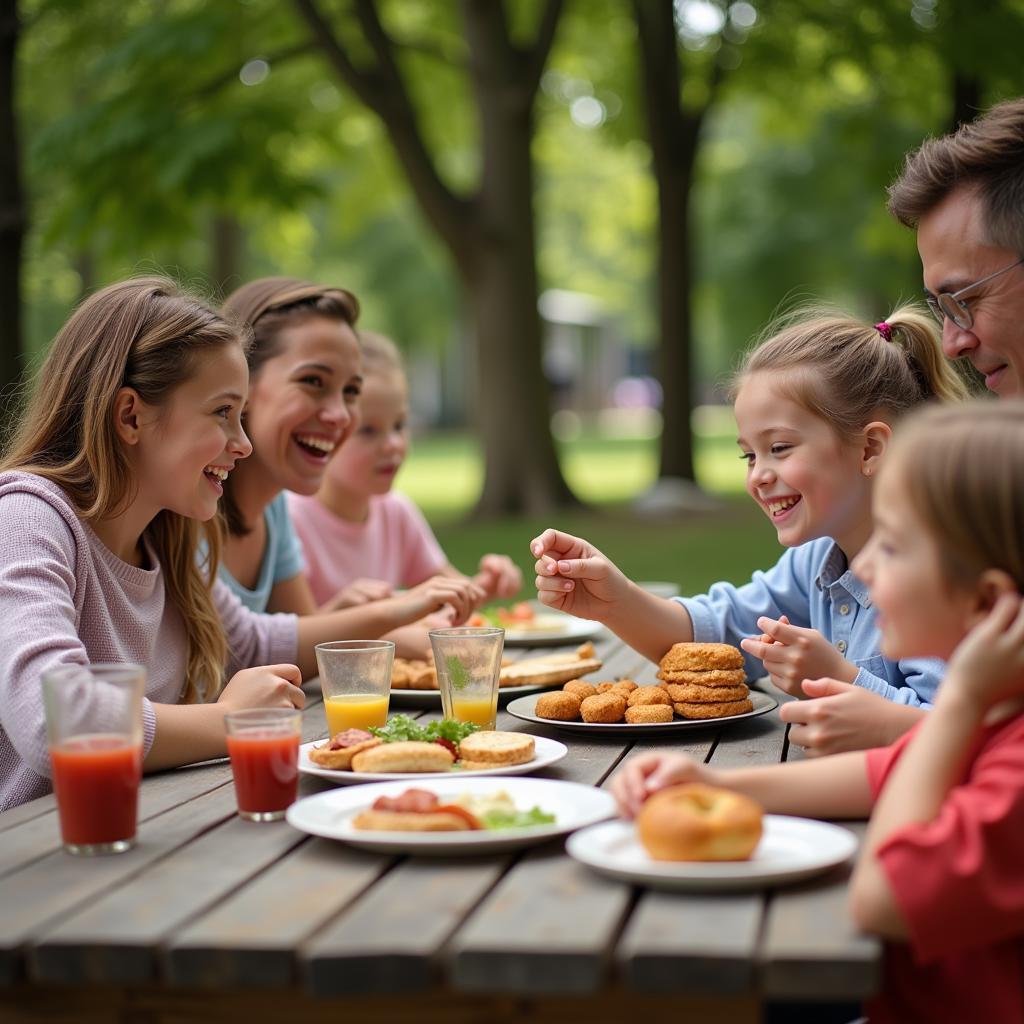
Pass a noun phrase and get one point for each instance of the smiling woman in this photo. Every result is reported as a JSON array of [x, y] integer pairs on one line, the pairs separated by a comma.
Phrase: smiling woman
[[306, 377]]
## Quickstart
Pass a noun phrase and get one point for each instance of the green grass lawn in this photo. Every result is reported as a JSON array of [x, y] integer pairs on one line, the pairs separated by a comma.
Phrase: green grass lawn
[[444, 475]]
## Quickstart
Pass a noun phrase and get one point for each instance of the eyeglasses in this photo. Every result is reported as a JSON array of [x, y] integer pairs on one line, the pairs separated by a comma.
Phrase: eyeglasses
[[950, 305]]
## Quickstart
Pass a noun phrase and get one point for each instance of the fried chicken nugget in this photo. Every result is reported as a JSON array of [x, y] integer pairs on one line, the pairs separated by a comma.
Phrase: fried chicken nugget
[[648, 714], [580, 688], [649, 695], [603, 707], [558, 706]]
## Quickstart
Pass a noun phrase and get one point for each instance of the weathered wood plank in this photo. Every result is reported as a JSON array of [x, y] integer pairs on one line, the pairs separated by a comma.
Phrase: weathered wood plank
[[251, 938], [25, 812], [390, 941], [160, 1006], [703, 944], [115, 940], [548, 927], [49, 889], [811, 949]]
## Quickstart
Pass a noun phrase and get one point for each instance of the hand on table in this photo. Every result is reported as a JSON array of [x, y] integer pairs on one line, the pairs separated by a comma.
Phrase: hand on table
[[792, 654], [267, 686]]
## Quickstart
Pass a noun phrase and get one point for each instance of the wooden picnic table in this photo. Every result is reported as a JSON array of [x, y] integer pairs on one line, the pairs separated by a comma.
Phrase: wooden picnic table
[[211, 918]]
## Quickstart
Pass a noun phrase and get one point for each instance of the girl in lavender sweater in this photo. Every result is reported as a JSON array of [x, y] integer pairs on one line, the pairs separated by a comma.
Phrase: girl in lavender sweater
[[109, 481]]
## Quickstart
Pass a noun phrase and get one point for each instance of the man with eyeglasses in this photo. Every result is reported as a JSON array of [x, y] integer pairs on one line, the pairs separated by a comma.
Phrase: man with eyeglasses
[[964, 193]]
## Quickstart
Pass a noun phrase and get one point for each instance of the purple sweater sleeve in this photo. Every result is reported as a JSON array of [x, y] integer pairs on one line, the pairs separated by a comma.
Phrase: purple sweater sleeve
[[254, 639], [39, 583]]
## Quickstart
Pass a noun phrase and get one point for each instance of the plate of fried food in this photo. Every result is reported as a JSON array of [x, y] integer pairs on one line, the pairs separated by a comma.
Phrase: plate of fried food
[[698, 685], [414, 683], [532, 625], [406, 749], [451, 816], [697, 837]]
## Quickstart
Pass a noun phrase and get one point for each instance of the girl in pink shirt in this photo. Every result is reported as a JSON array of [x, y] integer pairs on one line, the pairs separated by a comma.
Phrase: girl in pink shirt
[[941, 872], [361, 539]]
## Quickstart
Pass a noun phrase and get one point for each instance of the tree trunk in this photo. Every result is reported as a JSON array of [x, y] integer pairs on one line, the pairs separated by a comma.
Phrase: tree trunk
[[227, 242], [673, 137], [13, 217], [522, 474], [490, 235]]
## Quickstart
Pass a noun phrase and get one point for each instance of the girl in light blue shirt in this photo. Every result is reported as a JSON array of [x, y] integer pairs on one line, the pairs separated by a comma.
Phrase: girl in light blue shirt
[[815, 406]]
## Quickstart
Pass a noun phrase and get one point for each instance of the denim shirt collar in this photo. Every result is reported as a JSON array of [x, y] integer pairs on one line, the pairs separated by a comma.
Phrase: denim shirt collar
[[835, 570]]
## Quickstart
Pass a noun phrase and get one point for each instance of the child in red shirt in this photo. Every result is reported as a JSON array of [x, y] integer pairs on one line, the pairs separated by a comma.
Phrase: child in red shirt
[[941, 872]]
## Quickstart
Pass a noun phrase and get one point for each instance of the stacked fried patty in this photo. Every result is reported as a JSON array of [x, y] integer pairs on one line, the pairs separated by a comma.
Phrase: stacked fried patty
[[705, 680]]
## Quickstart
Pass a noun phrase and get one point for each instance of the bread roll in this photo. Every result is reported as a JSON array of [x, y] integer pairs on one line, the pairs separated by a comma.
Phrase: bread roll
[[698, 822]]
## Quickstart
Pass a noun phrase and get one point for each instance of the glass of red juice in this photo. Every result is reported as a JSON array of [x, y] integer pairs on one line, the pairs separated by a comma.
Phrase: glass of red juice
[[263, 744], [94, 732]]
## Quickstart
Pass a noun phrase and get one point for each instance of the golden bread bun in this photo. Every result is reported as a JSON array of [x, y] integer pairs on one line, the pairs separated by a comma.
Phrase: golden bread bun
[[404, 756], [497, 747], [698, 822]]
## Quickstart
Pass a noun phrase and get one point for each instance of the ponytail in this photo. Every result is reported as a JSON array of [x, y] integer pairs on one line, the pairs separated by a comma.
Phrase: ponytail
[[847, 372]]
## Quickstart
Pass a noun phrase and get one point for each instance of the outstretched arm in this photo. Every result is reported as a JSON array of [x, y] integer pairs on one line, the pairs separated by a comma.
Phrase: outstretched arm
[[573, 576]]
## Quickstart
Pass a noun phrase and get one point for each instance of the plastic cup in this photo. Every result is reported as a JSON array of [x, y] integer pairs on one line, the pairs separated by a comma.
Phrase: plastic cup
[[468, 665], [355, 676], [94, 732], [263, 744]]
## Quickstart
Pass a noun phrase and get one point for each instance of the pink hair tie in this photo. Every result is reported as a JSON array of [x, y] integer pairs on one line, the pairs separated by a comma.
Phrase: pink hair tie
[[885, 330]]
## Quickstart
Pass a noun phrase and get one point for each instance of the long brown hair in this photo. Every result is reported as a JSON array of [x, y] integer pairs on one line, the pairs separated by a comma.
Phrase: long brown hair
[[146, 334], [267, 306], [963, 471], [848, 372], [986, 155]]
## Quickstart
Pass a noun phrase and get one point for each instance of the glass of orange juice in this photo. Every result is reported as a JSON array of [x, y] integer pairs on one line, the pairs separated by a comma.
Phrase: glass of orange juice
[[355, 676], [468, 664]]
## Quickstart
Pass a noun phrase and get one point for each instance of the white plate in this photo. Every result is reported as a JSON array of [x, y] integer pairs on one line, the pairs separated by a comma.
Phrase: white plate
[[790, 849], [330, 814], [522, 707], [546, 752], [551, 627], [432, 698]]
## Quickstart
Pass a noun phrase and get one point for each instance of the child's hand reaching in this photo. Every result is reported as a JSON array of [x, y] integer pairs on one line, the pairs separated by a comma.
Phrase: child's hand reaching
[[988, 665], [498, 576], [840, 716], [461, 594], [792, 654], [646, 774], [267, 686], [359, 592], [573, 576]]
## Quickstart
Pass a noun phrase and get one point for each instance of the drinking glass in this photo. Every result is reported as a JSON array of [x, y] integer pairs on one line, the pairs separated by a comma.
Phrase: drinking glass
[[94, 732], [468, 665], [355, 676], [263, 744]]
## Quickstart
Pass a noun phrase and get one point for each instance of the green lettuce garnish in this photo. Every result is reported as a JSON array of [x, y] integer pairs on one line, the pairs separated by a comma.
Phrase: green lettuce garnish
[[402, 727], [498, 819]]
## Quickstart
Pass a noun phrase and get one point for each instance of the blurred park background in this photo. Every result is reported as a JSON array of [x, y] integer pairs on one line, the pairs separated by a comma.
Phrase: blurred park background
[[571, 216]]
